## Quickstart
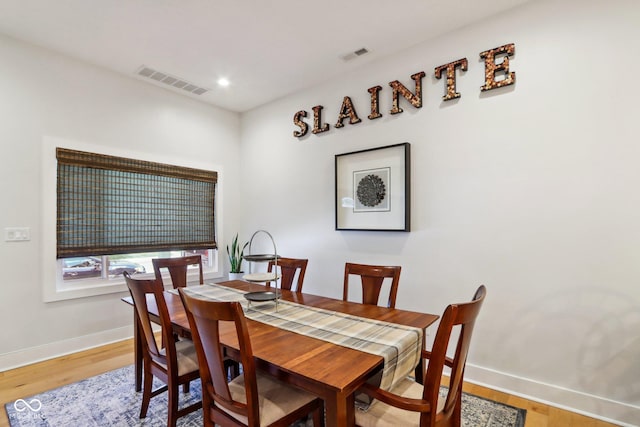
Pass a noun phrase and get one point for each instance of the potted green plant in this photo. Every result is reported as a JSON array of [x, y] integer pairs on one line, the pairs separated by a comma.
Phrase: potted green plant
[[235, 258]]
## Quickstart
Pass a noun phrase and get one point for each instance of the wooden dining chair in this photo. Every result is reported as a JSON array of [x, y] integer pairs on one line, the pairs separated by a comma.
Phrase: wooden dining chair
[[252, 399], [174, 363], [177, 268], [372, 277], [412, 404], [288, 268]]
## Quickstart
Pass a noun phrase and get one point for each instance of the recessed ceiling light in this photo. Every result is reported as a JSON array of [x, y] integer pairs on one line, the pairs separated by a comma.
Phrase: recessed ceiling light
[[223, 82]]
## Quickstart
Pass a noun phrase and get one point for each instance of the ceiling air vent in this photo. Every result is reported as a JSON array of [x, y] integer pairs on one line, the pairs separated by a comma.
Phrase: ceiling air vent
[[353, 55], [169, 80]]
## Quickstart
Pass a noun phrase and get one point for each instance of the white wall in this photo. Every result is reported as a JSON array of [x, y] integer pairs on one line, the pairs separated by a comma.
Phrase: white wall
[[530, 190], [45, 96]]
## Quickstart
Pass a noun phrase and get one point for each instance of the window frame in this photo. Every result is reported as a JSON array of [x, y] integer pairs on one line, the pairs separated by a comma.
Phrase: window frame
[[53, 286]]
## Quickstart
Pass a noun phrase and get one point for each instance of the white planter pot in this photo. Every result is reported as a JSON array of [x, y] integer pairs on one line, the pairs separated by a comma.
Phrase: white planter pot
[[236, 276]]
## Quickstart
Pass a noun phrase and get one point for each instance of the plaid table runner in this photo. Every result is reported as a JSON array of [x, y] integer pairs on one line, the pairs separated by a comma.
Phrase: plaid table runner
[[399, 345]]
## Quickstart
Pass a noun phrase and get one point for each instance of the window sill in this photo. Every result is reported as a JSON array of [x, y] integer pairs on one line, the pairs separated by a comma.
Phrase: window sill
[[66, 290]]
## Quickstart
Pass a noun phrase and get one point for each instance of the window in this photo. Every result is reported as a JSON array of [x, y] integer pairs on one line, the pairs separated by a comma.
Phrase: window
[[114, 214], [85, 267]]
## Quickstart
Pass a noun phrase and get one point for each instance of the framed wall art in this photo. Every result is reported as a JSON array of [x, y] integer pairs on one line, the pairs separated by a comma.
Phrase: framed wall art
[[372, 189]]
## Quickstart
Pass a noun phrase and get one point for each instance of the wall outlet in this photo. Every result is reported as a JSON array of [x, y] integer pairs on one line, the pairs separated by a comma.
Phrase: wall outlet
[[17, 234]]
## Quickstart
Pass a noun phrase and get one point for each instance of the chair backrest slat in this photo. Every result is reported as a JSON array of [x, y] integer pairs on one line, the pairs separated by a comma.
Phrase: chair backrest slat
[[177, 269], [288, 268], [372, 277]]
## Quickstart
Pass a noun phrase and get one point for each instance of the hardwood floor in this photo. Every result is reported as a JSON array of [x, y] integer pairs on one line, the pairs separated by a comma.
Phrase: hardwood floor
[[39, 377], [50, 374]]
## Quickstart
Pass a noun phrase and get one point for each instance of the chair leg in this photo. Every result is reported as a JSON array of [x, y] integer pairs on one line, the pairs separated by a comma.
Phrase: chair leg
[[235, 370], [146, 393], [318, 417], [208, 422], [457, 411], [185, 387], [232, 368], [173, 406]]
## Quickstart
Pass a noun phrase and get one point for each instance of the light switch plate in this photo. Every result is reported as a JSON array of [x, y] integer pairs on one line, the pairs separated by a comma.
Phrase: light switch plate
[[17, 234]]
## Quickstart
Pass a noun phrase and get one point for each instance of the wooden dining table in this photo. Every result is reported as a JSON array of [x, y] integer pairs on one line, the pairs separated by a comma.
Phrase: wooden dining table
[[330, 371]]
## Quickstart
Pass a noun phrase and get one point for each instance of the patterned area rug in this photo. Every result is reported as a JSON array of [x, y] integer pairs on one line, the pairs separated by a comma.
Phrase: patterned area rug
[[110, 400]]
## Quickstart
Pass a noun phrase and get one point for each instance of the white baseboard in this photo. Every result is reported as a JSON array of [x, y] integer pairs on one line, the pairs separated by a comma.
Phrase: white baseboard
[[593, 406], [39, 353]]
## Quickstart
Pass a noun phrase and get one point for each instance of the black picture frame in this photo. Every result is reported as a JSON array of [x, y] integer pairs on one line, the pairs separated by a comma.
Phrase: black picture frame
[[372, 189]]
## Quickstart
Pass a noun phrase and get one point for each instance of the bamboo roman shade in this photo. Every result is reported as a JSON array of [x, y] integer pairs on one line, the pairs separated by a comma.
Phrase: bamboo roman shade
[[112, 205]]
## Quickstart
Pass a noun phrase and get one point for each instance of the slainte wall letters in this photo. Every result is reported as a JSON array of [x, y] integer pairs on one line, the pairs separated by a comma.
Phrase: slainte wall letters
[[348, 111]]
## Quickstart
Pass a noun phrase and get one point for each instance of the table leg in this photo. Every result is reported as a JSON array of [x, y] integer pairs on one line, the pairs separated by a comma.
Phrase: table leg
[[340, 410], [419, 375], [137, 350], [419, 372]]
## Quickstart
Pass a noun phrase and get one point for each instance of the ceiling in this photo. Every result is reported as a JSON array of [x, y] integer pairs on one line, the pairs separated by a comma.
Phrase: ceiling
[[266, 49]]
